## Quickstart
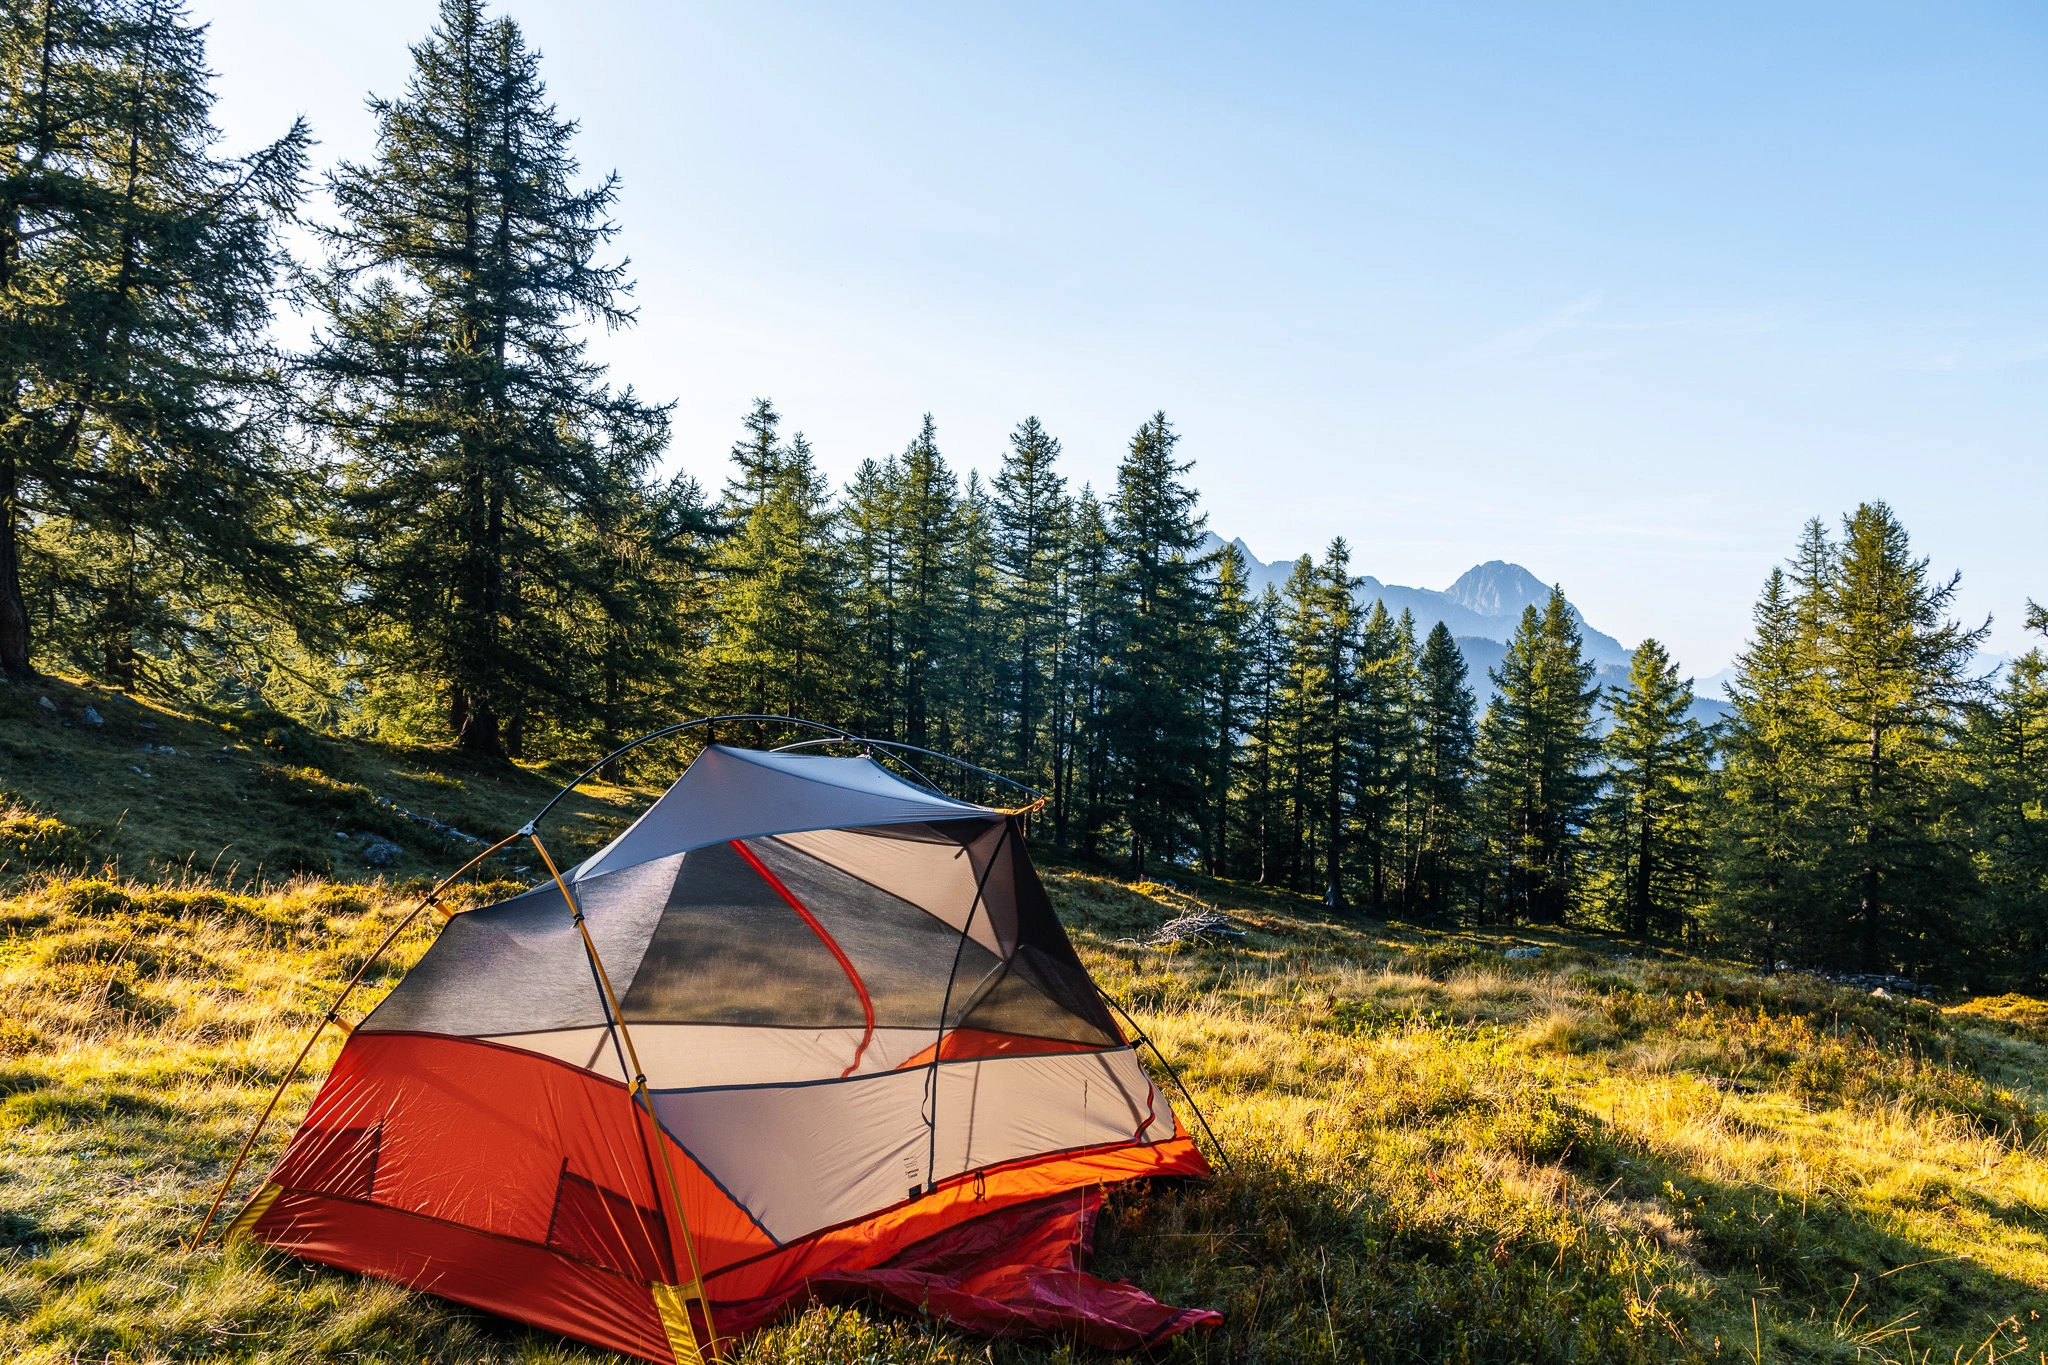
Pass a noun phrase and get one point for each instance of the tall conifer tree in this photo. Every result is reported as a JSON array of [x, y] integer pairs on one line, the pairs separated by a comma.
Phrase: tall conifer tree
[[1650, 831], [1446, 737], [1767, 841], [1032, 539], [143, 471], [1260, 807], [777, 641], [1082, 808], [1897, 680], [1156, 727], [1537, 747], [927, 506], [474, 429], [1230, 678]]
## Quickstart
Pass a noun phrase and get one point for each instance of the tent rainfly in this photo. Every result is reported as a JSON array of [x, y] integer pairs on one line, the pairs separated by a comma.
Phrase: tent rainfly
[[804, 1032]]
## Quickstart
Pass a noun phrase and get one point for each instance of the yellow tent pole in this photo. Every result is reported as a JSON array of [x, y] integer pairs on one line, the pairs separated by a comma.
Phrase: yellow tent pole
[[638, 1088], [329, 1018]]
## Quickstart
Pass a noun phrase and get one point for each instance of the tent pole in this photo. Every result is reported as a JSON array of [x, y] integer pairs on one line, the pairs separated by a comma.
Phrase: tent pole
[[931, 1161], [638, 1089], [330, 1017], [1146, 1039]]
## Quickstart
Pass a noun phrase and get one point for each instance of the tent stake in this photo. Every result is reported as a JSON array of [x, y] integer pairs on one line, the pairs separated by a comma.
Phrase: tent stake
[[330, 1017]]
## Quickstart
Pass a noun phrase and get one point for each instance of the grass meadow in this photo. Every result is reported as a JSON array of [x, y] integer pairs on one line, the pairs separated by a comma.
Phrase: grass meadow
[[1436, 1154], [1605, 1153]]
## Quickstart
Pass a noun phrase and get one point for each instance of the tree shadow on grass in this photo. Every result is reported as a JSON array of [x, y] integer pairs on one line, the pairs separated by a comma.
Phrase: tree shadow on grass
[[1304, 1270]]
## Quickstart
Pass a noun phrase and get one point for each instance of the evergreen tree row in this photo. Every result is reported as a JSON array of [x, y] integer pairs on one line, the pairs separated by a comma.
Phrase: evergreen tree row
[[441, 522]]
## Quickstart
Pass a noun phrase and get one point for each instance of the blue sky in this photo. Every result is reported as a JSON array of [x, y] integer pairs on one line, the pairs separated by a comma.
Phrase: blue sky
[[1622, 293]]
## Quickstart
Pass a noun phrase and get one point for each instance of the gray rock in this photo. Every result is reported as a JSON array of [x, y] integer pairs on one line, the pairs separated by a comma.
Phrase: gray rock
[[46, 703], [92, 717], [1520, 953], [378, 851]]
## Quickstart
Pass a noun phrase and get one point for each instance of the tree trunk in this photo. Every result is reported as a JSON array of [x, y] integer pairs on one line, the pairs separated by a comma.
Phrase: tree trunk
[[14, 632]]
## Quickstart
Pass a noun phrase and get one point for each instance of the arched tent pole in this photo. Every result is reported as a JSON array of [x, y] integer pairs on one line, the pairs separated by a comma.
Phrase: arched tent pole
[[1146, 1039], [330, 1017], [931, 1078], [642, 1101]]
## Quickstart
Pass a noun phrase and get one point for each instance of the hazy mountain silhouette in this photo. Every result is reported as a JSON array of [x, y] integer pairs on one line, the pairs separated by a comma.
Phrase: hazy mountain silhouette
[[1481, 610]]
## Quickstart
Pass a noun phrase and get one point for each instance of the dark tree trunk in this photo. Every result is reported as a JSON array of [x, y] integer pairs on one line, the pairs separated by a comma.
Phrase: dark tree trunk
[[14, 633]]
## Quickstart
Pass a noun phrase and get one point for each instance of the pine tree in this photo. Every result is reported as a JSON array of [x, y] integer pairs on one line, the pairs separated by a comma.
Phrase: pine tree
[[144, 477], [1158, 637], [1446, 739], [973, 722], [1385, 703], [1650, 833], [476, 434], [1896, 673], [1765, 831], [927, 506], [1032, 534], [872, 556], [1307, 695], [777, 642], [1229, 679], [1082, 808], [1537, 747], [1337, 722], [2007, 747], [1260, 807]]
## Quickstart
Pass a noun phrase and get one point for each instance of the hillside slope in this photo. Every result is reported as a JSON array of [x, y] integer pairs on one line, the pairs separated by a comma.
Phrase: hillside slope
[[1437, 1153], [154, 791]]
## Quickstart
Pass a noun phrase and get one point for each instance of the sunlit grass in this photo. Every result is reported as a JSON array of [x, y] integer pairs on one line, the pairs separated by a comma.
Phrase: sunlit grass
[[1436, 1154]]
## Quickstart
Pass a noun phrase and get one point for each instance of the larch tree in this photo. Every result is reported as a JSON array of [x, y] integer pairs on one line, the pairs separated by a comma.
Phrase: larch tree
[[476, 436], [146, 475], [1032, 535], [1230, 679], [1158, 647], [1537, 749], [927, 507], [1650, 833], [1766, 789], [1446, 738], [1896, 671]]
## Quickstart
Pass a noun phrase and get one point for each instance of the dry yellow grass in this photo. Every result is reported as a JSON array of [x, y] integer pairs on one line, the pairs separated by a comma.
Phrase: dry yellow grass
[[1436, 1154]]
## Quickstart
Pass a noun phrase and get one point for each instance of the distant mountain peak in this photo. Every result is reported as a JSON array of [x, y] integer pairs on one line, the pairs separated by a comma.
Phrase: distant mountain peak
[[1485, 602], [1498, 588]]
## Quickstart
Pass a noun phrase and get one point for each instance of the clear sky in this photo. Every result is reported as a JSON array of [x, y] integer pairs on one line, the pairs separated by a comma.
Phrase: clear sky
[[1623, 293]]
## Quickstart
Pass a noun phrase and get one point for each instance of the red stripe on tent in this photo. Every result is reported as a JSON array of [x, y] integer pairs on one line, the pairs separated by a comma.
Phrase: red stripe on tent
[[966, 1044], [867, 1006]]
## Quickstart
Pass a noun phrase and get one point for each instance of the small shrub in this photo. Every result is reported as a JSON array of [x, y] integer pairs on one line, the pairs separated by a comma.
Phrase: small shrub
[[91, 896], [34, 840], [18, 1039]]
